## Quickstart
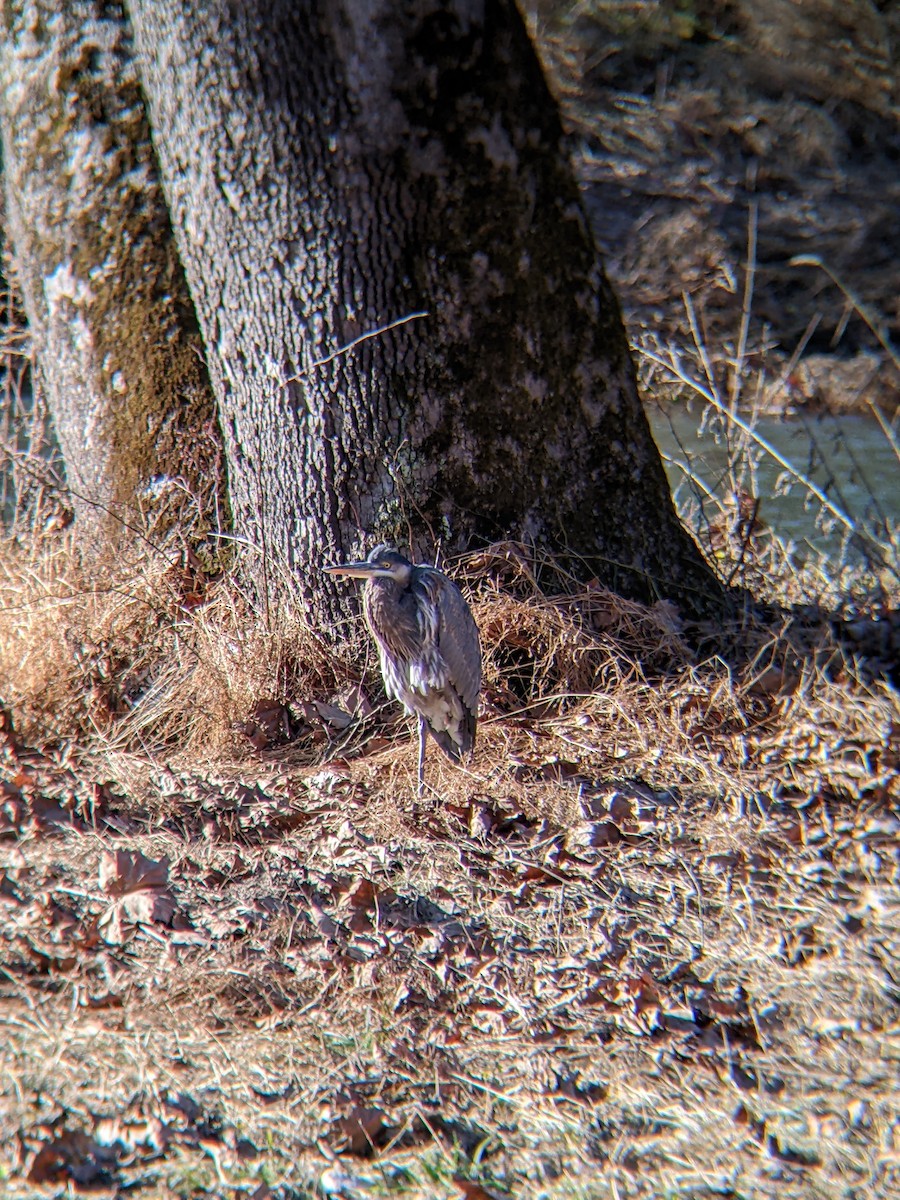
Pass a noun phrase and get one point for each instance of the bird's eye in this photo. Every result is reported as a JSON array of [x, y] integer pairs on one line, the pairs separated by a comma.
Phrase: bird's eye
[[385, 566]]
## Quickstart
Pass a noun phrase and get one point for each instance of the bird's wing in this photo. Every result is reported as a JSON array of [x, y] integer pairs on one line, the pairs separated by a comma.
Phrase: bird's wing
[[458, 641]]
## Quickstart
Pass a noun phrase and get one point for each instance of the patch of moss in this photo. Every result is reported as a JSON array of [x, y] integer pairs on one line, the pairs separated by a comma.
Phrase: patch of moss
[[159, 409], [147, 342]]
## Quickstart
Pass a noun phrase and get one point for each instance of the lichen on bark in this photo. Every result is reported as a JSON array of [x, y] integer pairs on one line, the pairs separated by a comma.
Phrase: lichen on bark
[[119, 352]]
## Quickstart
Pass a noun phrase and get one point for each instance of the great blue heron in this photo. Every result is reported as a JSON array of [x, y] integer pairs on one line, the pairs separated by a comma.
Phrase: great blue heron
[[428, 646]]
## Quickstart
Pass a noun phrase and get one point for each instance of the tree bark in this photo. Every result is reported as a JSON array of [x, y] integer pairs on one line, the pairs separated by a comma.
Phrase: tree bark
[[335, 166], [117, 346]]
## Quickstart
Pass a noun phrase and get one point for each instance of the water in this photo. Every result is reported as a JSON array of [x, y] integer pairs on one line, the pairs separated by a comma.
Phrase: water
[[848, 457]]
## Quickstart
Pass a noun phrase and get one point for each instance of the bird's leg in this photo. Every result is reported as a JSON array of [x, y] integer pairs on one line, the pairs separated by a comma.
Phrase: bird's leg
[[422, 736]]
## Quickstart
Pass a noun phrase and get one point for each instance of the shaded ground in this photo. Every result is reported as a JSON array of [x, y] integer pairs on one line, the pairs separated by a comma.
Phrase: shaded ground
[[693, 122]]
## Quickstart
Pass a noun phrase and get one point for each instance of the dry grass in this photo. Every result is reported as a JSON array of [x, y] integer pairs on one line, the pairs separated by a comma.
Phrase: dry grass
[[688, 115], [644, 944], [141, 653]]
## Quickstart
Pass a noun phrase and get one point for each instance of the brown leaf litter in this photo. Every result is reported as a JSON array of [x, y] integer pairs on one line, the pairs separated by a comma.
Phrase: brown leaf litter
[[648, 934]]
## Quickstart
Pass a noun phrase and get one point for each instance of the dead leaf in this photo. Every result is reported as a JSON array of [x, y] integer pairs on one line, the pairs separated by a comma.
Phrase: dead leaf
[[591, 834], [269, 723], [353, 700], [336, 717], [470, 1189], [362, 1129], [147, 1134], [756, 1126], [139, 887], [364, 895], [70, 1155], [481, 820], [127, 871], [789, 1154]]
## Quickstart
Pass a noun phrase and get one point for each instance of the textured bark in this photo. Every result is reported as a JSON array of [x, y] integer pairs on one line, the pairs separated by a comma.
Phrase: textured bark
[[334, 165], [117, 346]]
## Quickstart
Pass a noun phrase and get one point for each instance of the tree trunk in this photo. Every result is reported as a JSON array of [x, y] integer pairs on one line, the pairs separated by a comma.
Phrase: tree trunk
[[333, 167], [117, 347]]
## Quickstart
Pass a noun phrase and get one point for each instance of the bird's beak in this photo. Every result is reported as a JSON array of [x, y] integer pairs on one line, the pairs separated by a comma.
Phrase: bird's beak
[[357, 570]]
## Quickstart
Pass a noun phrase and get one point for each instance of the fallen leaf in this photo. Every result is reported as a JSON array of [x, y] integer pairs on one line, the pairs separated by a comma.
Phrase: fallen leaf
[[127, 871], [269, 723], [361, 1130], [336, 717], [138, 885], [472, 1190], [147, 1134]]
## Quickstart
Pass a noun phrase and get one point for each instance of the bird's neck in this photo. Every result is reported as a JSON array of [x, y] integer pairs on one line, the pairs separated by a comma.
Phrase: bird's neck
[[389, 617], [385, 590]]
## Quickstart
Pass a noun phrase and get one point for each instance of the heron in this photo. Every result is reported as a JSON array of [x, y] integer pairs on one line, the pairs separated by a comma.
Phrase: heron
[[428, 646]]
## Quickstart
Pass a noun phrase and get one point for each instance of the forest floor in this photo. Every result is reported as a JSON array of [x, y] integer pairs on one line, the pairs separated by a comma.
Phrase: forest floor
[[645, 945]]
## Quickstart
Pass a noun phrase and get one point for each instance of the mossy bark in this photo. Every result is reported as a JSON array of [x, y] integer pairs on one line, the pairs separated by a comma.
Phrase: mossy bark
[[119, 353], [333, 167]]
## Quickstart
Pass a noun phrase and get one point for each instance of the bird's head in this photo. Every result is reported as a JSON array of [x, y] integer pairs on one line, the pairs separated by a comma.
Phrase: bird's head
[[384, 562]]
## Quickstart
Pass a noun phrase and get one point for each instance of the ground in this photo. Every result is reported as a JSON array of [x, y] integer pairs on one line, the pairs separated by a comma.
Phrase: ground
[[710, 135], [645, 944]]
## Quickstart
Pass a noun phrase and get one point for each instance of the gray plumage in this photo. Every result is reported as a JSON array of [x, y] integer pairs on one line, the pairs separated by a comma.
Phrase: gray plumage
[[428, 646]]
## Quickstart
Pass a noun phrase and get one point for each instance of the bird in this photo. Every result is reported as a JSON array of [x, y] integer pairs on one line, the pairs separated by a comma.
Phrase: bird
[[428, 646]]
